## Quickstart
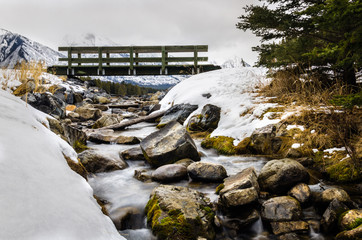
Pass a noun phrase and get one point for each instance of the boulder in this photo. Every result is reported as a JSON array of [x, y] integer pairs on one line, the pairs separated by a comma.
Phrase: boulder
[[133, 154], [179, 113], [129, 140], [350, 219], [88, 112], [245, 179], [48, 104], [239, 197], [127, 218], [74, 135], [142, 175], [207, 120], [264, 140], [287, 227], [301, 192], [170, 173], [354, 234], [240, 222], [107, 120], [101, 107], [101, 100], [169, 145], [185, 162], [206, 172], [330, 216], [330, 194], [96, 162], [105, 137], [175, 212], [281, 209], [278, 176]]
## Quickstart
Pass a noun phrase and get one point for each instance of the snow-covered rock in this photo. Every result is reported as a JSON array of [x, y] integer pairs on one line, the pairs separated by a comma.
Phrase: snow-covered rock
[[230, 89], [41, 197], [15, 48]]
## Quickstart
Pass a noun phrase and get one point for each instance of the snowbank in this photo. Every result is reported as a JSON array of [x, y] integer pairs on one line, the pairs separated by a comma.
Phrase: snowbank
[[41, 197], [230, 89]]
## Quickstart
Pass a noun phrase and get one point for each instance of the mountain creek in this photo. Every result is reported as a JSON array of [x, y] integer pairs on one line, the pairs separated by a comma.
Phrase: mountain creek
[[155, 180]]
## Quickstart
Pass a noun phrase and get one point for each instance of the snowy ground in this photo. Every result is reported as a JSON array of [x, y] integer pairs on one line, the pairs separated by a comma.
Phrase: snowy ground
[[41, 197], [232, 91]]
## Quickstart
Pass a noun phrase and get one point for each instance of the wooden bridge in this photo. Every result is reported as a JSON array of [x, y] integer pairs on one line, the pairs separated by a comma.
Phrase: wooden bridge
[[133, 60]]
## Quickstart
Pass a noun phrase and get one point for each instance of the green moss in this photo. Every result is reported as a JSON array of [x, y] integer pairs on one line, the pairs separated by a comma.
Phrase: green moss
[[243, 146], [219, 188], [79, 147], [210, 214], [356, 223], [344, 171], [223, 145]]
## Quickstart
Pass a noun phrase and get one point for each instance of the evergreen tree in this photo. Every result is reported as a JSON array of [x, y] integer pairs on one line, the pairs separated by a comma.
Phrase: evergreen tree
[[310, 34]]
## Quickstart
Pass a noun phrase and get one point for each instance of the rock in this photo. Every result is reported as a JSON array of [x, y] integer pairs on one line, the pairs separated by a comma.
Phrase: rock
[[334, 193], [101, 100], [293, 153], [88, 112], [185, 162], [104, 137], [281, 209], [207, 120], [55, 126], [206, 172], [127, 218], [169, 145], [142, 175], [70, 108], [175, 212], [278, 176], [77, 167], [169, 173], [350, 219], [129, 140], [101, 107], [301, 192], [96, 162], [264, 140], [73, 116], [73, 98], [178, 113], [26, 87], [354, 234], [287, 227], [330, 216], [107, 120], [289, 236], [241, 222], [48, 104], [74, 135], [239, 197], [133, 154], [245, 179]]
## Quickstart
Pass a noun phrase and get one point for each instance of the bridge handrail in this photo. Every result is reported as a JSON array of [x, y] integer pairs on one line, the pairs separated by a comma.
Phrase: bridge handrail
[[134, 59]]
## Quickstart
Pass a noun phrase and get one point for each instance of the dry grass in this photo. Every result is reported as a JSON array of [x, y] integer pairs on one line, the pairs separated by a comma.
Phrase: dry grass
[[31, 70]]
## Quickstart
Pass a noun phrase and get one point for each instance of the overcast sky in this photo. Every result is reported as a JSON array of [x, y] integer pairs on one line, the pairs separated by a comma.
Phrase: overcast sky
[[135, 22]]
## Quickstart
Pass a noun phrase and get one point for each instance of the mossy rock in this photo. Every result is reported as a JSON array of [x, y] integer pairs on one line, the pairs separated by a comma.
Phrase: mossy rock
[[344, 171], [223, 145], [79, 147]]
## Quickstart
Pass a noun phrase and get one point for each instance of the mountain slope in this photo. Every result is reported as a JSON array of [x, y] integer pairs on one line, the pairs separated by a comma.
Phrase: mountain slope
[[15, 48]]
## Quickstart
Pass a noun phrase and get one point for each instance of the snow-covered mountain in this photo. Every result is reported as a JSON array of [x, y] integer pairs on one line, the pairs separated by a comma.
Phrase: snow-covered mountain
[[15, 48], [235, 62]]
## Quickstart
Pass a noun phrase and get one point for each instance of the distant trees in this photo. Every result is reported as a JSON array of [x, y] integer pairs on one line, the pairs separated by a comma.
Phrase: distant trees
[[310, 35], [123, 89]]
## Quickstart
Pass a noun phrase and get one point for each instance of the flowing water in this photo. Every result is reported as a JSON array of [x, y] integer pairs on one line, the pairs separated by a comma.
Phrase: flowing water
[[121, 190]]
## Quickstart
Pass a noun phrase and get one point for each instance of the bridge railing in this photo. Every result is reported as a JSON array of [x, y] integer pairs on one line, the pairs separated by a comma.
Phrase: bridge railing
[[132, 57]]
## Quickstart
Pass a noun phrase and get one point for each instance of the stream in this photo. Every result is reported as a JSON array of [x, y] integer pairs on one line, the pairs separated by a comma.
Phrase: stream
[[121, 190]]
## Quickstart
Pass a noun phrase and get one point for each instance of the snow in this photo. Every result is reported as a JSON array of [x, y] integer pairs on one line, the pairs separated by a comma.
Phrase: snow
[[296, 145], [296, 126], [231, 90], [41, 197], [331, 150]]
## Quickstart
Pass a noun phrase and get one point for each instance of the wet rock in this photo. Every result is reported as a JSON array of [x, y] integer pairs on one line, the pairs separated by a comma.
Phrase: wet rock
[[350, 219], [293, 153], [330, 216], [354, 234], [142, 175], [133, 154], [206, 172], [169, 173], [287, 227], [178, 113], [101, 100], [239, 197], [301, 192], [207, 120], [96, 162], [334, 193], [175, 212], [107, 120], [129, 140], [88, 112], [281, 209], [245, 179], [55, 126], [169, 145], [127, 218], [101, 107], [101, 137], [278, 176], [185, 162], [240, 222], [289, 236], [74, 135]]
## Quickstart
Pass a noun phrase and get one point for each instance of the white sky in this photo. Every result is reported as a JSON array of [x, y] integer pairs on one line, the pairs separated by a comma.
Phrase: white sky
[[135, 22]]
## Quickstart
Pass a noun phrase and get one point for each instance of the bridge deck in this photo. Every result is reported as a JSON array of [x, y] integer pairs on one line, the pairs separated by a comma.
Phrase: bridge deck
[[132, 60]]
